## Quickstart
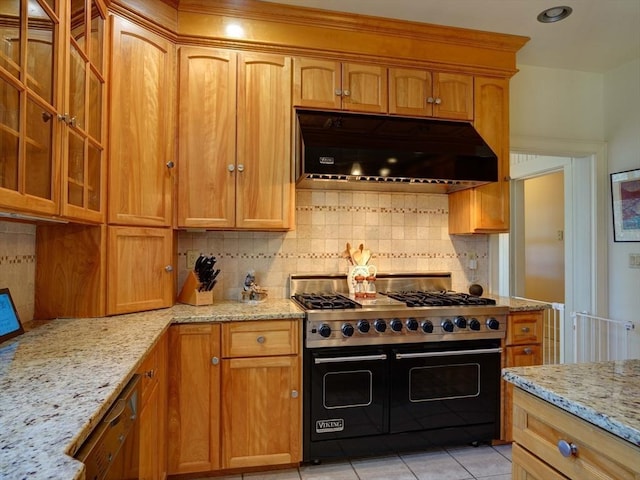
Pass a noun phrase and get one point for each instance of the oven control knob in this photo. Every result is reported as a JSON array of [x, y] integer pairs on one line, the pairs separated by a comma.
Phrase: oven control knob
[[493, 324], [412, 324], [447, 325], [363, 326], [427, 326], [474, 324], [347, 329], [324, 330], [380, 325], [396, 325], [460, 322]]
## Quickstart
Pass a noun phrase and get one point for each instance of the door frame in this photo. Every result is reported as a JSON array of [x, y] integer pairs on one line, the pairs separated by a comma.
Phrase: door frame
[[586, 239]]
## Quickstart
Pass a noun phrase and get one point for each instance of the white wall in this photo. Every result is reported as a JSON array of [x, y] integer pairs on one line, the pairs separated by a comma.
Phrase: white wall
[[622, 131]]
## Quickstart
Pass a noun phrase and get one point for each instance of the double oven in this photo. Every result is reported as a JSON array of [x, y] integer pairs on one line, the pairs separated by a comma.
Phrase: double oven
[[414, 367]]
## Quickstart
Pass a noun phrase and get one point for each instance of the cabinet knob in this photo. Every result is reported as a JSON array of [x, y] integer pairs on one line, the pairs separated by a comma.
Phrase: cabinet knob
[[346, 93], [150, 373], [527, 351], [72, 122], [171, 164], [260, 339], [294, 394], [338, 92], [430, 100], [168, 268], [438, 101], [231, 167], [241, 168], [525, 329], [567, 449], [215, 360]]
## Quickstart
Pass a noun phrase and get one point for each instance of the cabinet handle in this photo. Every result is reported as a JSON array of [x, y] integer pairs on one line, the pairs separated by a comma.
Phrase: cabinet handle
[[168, 268], [567, 449], [150, 373], [241, 168], [430, 100], [438, 101], [260, 339], [231, 167], [171, 164], [525, 329], [527, 351], [72, 122], [338, 92], [294, 394], [346, 93], [215, 360]]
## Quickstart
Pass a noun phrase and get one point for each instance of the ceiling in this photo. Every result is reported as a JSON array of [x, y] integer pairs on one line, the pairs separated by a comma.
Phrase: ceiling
[[599, 35]]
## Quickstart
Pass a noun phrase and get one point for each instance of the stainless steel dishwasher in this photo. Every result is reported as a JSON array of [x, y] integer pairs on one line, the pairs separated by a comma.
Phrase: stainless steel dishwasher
[[112, 450]]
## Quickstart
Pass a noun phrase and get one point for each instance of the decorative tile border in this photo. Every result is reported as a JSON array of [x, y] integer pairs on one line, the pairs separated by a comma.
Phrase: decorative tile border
[[16, 259]]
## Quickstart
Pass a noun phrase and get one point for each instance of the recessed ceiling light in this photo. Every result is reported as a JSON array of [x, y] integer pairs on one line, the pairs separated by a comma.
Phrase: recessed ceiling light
[[554, 14]]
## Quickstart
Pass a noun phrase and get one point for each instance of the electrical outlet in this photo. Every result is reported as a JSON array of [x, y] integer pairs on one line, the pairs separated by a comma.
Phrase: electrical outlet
[[634, 260], [192, 256]]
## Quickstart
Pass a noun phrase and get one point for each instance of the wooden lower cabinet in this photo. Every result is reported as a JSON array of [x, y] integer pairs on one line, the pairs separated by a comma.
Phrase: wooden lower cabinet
[[153, 413], [239, 411], [523, 348], [539, 426], [194, 398]]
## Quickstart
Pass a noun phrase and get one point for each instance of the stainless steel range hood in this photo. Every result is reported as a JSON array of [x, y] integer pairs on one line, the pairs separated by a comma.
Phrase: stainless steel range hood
[[340, 150]]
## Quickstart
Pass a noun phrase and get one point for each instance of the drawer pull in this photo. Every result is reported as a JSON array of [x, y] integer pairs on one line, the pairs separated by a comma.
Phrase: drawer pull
[[149, 373], [528, 351], [525, 329], [567, 449], [294, 394], [215, 360], [260, 339]]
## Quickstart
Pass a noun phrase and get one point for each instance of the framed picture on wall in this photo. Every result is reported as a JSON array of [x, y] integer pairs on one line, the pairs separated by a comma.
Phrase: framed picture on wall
[[625, 200]]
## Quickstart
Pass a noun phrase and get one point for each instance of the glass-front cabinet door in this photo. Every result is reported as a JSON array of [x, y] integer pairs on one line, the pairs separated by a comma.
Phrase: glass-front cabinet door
[[29, 100], [84, 172]]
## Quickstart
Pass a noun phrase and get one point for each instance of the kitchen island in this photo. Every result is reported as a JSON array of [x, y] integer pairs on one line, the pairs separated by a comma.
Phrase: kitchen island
[[57, 381], [576, 420]]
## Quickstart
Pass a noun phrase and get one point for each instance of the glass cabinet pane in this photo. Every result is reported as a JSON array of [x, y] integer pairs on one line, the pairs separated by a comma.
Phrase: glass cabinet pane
[[10, 35], [75, 175], [38, 151], [95, 106], [76, 87], [9, 135], [97, 37], [40, 39], [79, 23], [93, 178]]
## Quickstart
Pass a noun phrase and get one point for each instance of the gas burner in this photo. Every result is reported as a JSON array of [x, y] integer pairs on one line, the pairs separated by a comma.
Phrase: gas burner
[[313, 301], [418, 298]]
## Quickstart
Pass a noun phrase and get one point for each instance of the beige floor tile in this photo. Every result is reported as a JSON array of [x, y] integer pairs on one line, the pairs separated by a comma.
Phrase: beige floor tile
[[291, 474], [382, 468], [435, 465], [482, 461], [328, 471]]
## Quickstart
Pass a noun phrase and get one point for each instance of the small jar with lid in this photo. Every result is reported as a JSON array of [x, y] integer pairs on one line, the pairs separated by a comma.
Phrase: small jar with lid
[[371, 286], [360, 290]]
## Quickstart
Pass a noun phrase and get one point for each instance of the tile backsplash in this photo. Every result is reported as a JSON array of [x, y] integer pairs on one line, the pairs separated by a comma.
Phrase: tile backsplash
[[18, 265], [405, 232]]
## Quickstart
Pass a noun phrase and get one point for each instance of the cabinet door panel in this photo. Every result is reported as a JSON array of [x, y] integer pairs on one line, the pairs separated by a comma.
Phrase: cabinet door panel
[[455, 92], [409, 89], [141, 136], [137, 275], [260, 411], [264, 171], [367, 87], [315, 83], [207, 143]]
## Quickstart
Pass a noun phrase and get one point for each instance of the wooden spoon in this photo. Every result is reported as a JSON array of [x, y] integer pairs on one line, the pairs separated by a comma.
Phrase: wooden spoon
[[357, 257], [366, 256]]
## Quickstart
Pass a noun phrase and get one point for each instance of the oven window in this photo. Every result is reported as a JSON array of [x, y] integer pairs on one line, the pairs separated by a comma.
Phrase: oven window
[[347, 389], [444, 382]]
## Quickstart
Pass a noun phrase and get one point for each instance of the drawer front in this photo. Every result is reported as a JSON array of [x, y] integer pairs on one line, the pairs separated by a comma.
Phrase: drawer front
[[524, 355], [528, 467], [524, 327], [539, 426], [260, 338]]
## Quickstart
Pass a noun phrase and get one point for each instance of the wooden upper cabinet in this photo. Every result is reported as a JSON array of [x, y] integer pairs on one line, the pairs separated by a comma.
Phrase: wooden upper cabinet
[[207, 138], [336, 85], [421, 93], [235, 140], [142, 138], [485, 209], [264, 171]]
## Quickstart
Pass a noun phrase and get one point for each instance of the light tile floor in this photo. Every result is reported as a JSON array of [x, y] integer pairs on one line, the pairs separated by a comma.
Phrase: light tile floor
[[452, 463]]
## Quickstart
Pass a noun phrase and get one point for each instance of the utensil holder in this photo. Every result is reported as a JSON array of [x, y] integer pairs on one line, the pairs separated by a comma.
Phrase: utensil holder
[[191, 295]]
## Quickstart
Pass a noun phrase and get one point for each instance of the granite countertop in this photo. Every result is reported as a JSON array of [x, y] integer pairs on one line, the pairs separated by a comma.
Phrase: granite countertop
[[58, 380], [517, 304], [606, 394]]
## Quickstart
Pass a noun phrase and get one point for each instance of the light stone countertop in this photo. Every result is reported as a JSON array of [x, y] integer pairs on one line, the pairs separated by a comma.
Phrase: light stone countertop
[[517, 304], [57, 381], [606, 394]]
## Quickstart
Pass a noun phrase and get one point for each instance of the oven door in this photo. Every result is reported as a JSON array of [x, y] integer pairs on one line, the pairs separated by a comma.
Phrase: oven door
[[446, 385], [348, 393]]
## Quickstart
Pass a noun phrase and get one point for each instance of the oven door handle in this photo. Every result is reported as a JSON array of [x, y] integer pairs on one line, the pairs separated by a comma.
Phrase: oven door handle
[[401, 356], [356, 358]]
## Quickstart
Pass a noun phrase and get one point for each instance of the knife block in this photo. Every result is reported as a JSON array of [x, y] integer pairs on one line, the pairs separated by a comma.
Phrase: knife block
[[190, 294]]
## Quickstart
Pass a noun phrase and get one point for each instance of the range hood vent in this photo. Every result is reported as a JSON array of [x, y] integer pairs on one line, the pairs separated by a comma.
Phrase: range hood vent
[[352, 151]]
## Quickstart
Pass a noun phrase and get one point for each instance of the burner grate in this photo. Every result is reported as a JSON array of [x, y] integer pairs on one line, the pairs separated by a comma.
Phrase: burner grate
[[431, 299], [312, 301]]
